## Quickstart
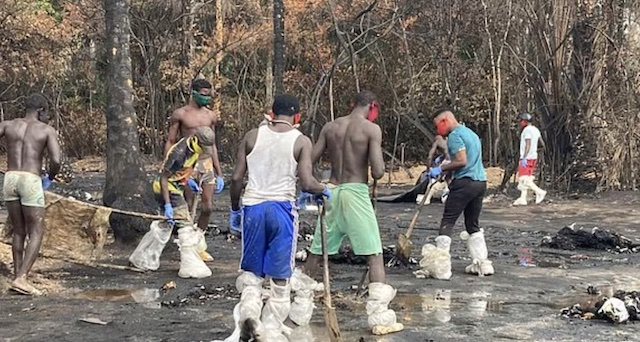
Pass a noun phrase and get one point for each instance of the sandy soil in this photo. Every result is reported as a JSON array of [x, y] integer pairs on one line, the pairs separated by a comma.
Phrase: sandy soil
[[517, 303]]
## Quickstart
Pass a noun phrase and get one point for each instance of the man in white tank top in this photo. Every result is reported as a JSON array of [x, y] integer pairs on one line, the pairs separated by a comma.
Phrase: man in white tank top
[[273, 156], [529, 139]]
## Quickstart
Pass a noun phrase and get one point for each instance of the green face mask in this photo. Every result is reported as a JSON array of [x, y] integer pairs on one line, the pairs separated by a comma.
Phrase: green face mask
[[201, 100]]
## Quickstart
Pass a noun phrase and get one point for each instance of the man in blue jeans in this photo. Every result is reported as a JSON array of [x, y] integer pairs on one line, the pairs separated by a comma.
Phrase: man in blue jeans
[[273, 157], [466, 191]]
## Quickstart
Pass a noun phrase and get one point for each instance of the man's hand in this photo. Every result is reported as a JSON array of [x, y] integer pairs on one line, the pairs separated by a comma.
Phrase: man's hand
[[235, 221], [46, 182], [219, 184], [194, 186], [328, 194], [435, 172], [168, 213], [523, 163], [304, 199]]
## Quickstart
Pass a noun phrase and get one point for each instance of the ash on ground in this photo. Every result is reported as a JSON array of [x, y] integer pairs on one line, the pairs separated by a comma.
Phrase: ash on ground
[[200, 294], [570, 238], [347, 256]]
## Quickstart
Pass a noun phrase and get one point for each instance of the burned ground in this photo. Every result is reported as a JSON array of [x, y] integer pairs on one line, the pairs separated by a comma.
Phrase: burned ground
[[517, 303]]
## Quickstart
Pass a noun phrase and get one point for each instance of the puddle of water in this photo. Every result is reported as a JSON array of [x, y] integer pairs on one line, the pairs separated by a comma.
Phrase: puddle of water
[[121, 295], [442, 306]]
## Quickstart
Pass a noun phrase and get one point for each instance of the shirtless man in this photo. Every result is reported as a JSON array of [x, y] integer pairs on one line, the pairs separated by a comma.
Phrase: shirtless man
[[439, 146], [184, 122], [273, 156], [27, 140], [356, 143]]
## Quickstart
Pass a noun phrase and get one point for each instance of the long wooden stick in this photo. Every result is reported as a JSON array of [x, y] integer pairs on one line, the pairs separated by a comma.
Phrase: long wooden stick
[[114, 210], [330, 317], [96, 264]]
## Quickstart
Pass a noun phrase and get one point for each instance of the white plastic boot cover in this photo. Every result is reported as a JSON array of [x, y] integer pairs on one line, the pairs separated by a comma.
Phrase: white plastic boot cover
[[202, 246], [436, 261], [147, 255], [250, 305], [302, 306], [275, 312], [191, 265], [378, 312], [480, 264], [381, 319]]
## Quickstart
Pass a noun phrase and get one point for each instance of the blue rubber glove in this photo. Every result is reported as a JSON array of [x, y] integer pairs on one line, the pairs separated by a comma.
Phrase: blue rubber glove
[[435, 172], [219, 184], [523, 163], [304, 199], [46, 182], [235, 222], [194, 186], [168, 213], [328, 194]]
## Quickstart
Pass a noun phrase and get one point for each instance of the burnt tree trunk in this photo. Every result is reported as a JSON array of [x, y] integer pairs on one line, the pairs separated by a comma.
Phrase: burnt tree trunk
[[278, 46], [126, 186]]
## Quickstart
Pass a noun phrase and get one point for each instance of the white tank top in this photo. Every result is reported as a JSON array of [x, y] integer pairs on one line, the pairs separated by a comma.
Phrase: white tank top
[[272, 167]]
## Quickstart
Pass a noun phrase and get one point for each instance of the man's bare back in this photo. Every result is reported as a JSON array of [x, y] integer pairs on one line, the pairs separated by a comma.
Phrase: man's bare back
[[331, 140], [361, 148], [27, 140]]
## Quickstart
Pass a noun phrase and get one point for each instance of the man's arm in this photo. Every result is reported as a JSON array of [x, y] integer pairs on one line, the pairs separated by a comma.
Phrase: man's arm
[[53, 147], [305, 167], [527, 147], [442, 143], [376, 160], [174, 129], [459, 159], [432, 152], [238, 174], [319, 147]]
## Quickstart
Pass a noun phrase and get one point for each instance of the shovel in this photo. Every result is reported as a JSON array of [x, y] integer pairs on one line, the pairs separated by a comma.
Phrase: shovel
[[405, 245], [331, 320]]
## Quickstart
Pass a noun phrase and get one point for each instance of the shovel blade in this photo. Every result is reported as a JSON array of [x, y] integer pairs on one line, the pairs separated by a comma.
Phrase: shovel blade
[[404, 248]]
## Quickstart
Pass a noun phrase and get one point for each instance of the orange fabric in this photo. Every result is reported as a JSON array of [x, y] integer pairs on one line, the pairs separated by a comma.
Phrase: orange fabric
[[530, 170]]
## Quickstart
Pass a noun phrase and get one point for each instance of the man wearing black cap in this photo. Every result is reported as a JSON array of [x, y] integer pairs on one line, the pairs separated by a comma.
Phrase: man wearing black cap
[[529, 139], [273, 156]]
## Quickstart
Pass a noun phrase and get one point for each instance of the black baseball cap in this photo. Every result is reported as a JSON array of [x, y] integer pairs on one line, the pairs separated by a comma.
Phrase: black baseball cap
[[286, 105]]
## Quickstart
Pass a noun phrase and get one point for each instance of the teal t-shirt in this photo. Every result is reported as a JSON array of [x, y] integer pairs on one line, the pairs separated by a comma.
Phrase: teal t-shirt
[[464, 139]]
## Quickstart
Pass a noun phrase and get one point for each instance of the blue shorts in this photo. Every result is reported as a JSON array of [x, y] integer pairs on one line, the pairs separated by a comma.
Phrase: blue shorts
[[269, 236]]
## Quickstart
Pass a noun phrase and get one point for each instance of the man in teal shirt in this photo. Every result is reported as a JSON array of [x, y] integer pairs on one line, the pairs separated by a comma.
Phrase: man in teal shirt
[[466, 191]]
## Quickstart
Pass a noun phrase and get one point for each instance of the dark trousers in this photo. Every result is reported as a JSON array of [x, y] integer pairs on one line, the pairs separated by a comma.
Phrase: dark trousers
[[465, 195]]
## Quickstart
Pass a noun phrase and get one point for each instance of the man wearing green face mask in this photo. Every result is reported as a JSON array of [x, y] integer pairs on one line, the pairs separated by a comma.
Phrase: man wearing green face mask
[[207, 171]]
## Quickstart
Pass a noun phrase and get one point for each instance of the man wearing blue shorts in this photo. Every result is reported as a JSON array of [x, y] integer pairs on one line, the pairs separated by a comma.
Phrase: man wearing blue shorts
[[273, 156]]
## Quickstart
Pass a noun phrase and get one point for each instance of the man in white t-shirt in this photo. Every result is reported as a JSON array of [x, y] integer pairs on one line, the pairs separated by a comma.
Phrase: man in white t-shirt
[[528, 160]]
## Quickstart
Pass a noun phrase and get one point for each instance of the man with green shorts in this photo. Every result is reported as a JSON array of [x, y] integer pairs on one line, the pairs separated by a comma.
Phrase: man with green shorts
[[359, 142], [27, 140]]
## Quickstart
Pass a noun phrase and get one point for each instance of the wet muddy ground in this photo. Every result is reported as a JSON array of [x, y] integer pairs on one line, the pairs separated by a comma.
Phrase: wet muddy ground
[[517, 303]]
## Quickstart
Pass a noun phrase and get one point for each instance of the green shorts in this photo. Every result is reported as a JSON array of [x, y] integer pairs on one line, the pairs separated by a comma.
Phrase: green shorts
[[350, 215], [25, 187]]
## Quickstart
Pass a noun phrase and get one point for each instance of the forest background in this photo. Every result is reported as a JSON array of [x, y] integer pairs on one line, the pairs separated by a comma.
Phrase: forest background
[[574, 64]]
